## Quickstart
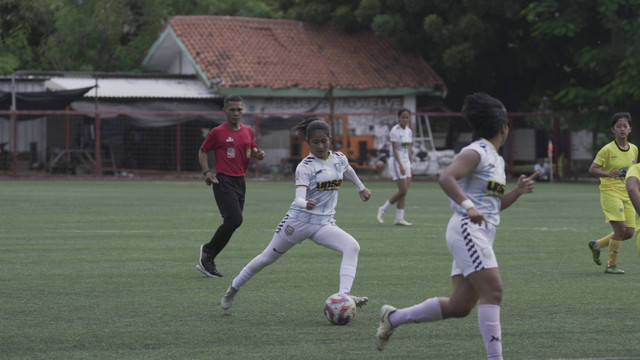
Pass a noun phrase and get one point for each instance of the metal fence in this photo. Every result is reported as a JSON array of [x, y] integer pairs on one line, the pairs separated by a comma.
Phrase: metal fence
[[137, 143]]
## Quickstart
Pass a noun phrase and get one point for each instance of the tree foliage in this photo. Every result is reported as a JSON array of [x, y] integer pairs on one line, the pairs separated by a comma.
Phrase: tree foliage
[[580, 57]]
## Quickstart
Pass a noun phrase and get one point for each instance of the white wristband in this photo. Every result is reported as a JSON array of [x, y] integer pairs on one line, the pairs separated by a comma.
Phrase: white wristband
[[467, 204]]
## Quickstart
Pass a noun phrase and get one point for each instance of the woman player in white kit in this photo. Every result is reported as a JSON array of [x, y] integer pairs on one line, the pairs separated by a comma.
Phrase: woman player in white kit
[[475, 184], [401, 138], [310, 216]]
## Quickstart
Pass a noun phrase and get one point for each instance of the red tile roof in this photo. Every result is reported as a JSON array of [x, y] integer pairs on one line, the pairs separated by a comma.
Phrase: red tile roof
[[280, 54]]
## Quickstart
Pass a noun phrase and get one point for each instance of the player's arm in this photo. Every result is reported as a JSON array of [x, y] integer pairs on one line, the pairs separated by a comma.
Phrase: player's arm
[[459, 168], [300, 199], [396, 155], [209, 174], [633, 188], [351, 175], [596, 170], [525, 186]]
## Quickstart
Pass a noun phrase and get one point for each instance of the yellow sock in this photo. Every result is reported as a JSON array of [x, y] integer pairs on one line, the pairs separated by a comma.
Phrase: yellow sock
[[604, 242], [614, 250]]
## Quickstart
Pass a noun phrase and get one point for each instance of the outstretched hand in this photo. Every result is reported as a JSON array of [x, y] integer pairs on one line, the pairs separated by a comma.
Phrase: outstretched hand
[[527, 184]]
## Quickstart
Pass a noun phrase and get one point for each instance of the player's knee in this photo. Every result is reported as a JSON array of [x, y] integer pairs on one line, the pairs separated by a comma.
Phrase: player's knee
[[233, 222], [460, 310], [629, 233], [352, 248], [493, 295]]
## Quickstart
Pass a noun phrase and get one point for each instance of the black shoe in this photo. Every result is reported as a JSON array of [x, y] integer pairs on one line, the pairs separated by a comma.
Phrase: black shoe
[[206, 265]]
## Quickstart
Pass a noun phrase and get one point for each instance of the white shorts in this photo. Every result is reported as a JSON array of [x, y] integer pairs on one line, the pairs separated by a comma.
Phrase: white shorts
[[329, 235], [470, 245], [394, 169]]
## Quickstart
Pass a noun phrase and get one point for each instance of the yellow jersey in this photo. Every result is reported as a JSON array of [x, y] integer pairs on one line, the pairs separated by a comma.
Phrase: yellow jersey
[[611, 158]]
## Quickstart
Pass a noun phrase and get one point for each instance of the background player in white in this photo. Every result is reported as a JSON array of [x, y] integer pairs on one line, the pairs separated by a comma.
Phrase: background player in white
[[310, 216], [401, 138], [475, 184]]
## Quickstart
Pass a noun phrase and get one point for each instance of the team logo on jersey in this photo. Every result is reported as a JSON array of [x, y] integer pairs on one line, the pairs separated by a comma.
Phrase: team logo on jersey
[[230, 139], [231, 153], [495, 188], [329, 185], [405, 144], [337, 166], [289, 230]]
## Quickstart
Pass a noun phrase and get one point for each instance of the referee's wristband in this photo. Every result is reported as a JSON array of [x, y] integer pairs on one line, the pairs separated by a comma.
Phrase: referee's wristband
[[204, 173], [467, 204]]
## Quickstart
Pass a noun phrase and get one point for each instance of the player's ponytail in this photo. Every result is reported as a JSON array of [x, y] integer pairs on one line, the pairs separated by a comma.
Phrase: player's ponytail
[[311, 124]]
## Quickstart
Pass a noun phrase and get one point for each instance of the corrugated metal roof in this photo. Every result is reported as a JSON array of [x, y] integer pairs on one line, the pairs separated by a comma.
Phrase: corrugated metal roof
[[135, 87]]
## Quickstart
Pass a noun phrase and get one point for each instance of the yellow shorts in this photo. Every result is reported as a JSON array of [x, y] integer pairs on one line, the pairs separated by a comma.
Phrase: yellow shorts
[[616, 209]]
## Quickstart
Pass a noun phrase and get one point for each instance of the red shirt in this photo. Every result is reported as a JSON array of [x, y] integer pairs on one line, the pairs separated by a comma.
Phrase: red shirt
[[232, 148]]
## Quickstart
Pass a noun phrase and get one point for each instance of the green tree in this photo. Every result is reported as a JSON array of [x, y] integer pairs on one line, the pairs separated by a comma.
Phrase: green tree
[[23, 24], [597, 51]]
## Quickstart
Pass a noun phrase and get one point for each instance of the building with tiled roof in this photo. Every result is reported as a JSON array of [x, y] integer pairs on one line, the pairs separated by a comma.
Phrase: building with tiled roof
[[286, 68], [276, 57]]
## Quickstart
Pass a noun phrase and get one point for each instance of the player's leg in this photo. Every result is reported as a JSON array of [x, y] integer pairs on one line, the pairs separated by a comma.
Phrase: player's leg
[[276, 248], [403, 188], [395, 176], [488, 285], [229, 195], [462, 300], [618, 216], [334, 238], [638, 243]]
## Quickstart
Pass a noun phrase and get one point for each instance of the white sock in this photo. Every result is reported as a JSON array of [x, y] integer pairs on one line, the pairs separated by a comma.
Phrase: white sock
[[386, 206], [244, 276], [347, 275], [426, 311], [489, 323], [399, 214]]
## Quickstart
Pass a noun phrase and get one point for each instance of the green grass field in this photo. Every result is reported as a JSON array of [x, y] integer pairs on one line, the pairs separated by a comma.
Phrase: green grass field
[[106, 270]]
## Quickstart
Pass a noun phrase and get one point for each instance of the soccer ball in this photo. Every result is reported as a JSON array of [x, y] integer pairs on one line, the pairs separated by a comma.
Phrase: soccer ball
[[339, 309]]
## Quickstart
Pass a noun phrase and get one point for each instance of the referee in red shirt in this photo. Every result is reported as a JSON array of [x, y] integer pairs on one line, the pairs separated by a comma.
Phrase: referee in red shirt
[[233, 146]]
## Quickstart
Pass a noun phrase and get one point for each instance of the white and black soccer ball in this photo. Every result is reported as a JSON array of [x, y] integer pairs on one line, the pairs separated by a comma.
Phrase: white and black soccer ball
[[340, 309]]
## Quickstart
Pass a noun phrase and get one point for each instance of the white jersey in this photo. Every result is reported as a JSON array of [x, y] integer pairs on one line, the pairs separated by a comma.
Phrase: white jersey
[[404, 138], [485, 185], [322, 178]]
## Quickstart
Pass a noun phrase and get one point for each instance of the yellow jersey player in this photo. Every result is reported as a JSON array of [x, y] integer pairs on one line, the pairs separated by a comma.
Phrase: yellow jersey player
[[611, 165], [633, 189]]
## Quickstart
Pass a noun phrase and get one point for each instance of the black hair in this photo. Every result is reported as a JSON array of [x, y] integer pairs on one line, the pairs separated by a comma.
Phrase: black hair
[[311, 124], [401, 110], [232, 98], [486, 115], [620, 115]]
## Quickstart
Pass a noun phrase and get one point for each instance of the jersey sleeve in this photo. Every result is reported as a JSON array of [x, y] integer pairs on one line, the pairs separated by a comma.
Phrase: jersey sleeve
[[601, 156], [209, 142], [303, 174], [393, 135]]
